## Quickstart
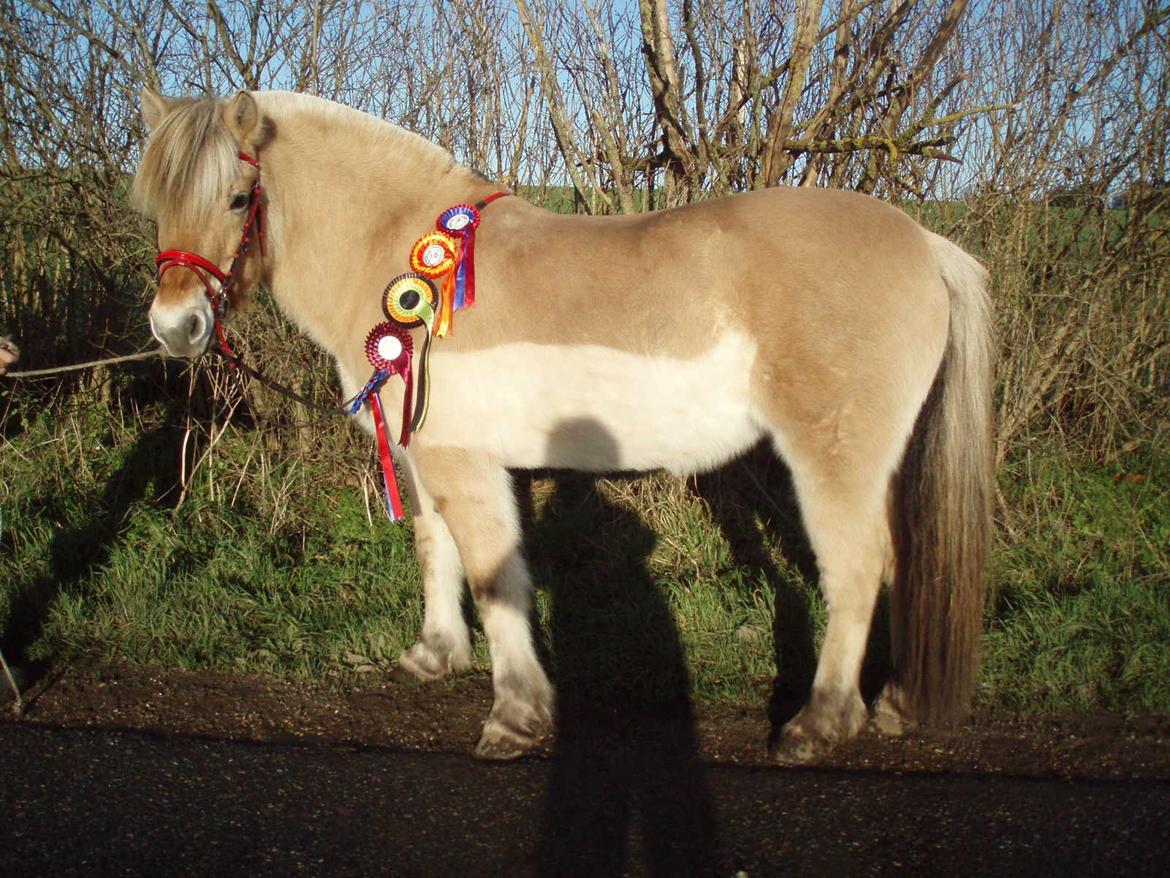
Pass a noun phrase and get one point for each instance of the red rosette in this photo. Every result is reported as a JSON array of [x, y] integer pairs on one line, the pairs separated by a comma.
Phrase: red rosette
[[389, 349]]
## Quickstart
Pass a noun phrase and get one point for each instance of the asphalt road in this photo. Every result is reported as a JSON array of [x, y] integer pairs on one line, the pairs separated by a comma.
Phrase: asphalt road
[[91, 802]]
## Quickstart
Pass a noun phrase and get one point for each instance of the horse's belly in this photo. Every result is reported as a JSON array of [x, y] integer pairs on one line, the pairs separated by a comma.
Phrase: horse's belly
[[595, 408]]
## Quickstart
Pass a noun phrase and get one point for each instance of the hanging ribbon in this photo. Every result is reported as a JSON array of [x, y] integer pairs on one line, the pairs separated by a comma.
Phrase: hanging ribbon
[[460, 222], [389, 349], [389, 476], [410, 301]]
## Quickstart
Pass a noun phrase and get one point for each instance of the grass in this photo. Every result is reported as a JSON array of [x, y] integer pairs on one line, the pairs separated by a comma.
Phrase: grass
[[101, 563], [645, 585], [1081, 613]]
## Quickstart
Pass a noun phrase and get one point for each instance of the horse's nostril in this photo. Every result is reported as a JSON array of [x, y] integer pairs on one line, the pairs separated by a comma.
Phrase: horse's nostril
[[195, 327]]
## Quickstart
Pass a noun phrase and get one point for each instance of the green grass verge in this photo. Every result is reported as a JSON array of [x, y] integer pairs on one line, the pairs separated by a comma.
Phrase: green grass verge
[[297, 574], [1080, 619]]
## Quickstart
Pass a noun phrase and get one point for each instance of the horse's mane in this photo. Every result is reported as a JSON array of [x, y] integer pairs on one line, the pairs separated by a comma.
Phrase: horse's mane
[[186, 160], [191, 154]]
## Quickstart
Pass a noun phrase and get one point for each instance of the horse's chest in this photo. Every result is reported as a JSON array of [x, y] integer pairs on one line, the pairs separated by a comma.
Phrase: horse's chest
[[594, 408]]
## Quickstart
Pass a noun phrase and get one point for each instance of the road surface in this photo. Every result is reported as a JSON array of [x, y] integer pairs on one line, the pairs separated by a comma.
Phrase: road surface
[[99, 802]]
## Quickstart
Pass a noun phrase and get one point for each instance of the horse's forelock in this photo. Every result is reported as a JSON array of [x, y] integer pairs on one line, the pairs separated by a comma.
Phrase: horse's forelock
[[187, 161]]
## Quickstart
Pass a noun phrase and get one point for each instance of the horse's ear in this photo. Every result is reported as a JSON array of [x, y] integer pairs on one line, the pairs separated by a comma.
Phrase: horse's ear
[[242, 117], [154, 108]]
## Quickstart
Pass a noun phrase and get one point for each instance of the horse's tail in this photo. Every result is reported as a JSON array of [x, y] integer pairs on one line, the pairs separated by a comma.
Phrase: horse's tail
[[942, 512]]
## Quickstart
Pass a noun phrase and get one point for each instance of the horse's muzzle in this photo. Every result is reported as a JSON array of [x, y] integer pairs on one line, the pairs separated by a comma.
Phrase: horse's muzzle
[[184, 330]]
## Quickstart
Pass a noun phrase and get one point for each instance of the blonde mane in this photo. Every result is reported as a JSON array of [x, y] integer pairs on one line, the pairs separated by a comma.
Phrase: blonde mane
[[191, 156], [385, 137], [187, 162]]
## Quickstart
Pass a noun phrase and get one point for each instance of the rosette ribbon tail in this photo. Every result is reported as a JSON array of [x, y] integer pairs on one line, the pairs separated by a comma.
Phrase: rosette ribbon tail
[[446, 306], [465, 282], [389, 477], [407, 404], [423, 401]]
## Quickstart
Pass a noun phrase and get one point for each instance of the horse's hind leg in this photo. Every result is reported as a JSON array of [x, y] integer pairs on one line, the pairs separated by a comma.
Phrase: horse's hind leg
[[474, 496], [844, 509], [444, 646]]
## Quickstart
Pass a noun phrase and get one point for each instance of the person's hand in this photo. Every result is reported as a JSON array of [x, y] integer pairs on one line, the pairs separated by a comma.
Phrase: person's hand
[[9, 353]]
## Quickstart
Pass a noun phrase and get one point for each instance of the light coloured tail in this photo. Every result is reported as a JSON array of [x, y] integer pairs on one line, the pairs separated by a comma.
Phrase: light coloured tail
[[942, 512]]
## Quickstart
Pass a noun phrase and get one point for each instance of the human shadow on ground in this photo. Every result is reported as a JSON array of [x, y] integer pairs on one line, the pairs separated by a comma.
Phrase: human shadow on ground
[[754, 504], [625, 769]]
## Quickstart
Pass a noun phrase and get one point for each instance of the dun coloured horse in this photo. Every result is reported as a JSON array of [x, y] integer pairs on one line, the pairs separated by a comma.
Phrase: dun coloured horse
[[827, 322]]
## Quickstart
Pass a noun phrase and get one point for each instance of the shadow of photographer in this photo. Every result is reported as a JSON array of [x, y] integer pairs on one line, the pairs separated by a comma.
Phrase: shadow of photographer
[[625, 768]]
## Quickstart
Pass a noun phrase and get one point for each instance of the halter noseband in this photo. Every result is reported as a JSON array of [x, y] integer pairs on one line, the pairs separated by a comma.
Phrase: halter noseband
[[205, 269]]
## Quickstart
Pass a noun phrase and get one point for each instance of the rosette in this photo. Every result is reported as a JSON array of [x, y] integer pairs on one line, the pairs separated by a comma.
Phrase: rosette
[[434, 254], [458, 220], [388, 348], [410, 300]]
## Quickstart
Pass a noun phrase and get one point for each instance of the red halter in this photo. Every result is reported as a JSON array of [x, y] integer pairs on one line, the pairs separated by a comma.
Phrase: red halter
[[205, 269]]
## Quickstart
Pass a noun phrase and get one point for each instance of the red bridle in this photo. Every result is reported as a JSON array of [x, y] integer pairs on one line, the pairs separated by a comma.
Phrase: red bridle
[[205, 269]]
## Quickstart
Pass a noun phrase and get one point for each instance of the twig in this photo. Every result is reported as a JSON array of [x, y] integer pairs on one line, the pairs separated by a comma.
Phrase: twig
[[18, 700], [18, 703]]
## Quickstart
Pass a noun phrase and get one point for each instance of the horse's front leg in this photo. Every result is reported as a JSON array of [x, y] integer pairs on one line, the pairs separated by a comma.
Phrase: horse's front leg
[[444, 645], [474, 496]]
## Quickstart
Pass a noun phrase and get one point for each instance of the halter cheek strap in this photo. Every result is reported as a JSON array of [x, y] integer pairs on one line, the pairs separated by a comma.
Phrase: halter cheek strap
[[205, 269]]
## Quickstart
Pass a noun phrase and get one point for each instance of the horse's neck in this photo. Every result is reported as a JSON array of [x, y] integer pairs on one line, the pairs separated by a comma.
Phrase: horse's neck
[[346, 202]]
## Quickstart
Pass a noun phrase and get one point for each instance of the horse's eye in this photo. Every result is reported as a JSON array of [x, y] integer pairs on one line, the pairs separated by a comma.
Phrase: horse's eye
[[239, 201]]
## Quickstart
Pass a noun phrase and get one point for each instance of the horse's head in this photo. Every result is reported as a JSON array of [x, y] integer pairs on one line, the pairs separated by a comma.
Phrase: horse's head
[[199, 178]]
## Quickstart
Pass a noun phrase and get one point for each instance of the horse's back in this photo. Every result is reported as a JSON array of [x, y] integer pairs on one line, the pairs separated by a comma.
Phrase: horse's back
[[799, 261]]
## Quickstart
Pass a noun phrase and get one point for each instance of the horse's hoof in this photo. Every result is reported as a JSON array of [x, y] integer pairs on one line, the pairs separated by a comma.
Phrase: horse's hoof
[[797, 748], [889, 717], [426, 662], [514, 728], [500, 744], [820, 726], [500, 748]]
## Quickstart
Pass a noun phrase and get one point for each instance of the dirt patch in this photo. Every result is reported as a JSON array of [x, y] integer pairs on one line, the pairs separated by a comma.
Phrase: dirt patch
[[447, 717]]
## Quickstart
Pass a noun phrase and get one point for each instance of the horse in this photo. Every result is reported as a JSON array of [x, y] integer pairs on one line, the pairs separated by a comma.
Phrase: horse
[[828, 323]]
